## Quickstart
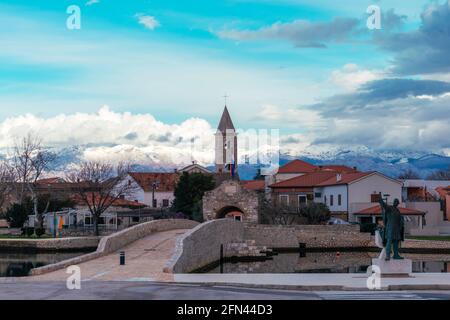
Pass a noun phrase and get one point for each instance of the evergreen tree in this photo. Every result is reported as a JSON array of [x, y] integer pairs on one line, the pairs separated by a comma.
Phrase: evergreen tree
[[189, 193]]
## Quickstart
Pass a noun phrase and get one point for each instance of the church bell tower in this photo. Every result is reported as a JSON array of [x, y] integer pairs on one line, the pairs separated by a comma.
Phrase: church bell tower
[[226, 145]]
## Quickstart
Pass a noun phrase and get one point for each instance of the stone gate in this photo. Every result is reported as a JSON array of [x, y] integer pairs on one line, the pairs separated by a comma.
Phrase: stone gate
[[231, 199]]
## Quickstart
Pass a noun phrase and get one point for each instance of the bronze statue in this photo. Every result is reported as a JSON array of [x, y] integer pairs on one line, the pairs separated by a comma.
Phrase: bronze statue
[[394, 227]]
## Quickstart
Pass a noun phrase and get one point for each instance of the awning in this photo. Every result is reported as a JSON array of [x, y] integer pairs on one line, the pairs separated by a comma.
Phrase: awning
[[376, 211]]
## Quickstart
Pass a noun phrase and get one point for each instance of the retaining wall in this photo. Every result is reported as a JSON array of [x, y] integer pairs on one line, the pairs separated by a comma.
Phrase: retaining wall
[[58, 244], [201, 245], [332, 236], [119, 240]]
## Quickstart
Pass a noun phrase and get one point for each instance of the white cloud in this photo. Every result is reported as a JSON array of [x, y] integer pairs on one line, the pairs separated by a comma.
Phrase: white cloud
[[148, 21], [302, 118], [350, 77]]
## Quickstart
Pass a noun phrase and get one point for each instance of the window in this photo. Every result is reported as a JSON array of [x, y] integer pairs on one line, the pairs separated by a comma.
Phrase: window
[[339, 200], [237, 218], [375, 197], [284, 199], [302, 200], [165, 202], [331, 200], [318, 195]]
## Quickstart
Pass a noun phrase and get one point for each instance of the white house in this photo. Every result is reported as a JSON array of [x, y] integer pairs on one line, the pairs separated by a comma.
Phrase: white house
[[348, 193], [155, 189]]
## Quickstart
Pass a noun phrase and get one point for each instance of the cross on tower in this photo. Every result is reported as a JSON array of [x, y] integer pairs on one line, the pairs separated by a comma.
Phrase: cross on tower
[[225, 97]]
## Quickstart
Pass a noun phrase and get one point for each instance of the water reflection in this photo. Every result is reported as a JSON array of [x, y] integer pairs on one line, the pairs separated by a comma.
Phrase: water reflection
[[20, 264], [332, 262]]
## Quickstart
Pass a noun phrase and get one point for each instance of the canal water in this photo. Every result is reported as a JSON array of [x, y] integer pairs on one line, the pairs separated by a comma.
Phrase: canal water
[[20, 264], [331, 262]]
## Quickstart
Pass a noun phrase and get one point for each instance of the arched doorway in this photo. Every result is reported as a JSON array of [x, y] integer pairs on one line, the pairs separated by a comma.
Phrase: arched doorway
[[230, 212]]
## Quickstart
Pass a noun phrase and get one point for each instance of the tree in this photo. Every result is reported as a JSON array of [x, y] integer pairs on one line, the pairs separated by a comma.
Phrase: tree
[[189, 192], [6, 183], [277, 214], [16, 215], [440, 175], [28, 163], [316, 213], [409, 174], [98, 185]]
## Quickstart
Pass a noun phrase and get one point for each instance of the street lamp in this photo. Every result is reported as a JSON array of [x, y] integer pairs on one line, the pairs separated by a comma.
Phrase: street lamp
[[155, 185]]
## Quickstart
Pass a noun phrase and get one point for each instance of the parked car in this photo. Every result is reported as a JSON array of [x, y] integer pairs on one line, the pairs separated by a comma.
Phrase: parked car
[[333, 221]]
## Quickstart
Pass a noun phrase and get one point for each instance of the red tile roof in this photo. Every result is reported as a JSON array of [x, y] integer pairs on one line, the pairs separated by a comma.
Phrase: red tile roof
[[306, 180], [337, 168], [116, 203], [297, 166], [51, 180], [167, 181], [345, 178], [376, 210], [256, 185]]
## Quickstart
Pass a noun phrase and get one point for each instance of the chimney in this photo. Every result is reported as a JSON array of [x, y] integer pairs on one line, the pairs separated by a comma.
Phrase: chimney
[[338, 177], [355, 168]]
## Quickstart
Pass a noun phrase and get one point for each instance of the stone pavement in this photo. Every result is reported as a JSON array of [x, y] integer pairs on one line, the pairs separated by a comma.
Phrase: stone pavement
[[145, 260]]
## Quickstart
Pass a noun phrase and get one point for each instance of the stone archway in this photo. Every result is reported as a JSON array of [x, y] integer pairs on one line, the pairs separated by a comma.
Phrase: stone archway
[[229, 212], [231, 199]]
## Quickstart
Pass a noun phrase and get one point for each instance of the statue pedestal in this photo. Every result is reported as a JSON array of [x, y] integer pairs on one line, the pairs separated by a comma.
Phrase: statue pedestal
[[393, 267]]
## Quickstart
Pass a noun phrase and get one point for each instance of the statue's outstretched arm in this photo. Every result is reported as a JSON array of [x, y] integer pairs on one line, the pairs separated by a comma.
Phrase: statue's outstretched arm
[[382, 203]]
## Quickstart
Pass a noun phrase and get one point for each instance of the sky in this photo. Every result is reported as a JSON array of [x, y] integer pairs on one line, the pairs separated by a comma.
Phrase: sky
[[145, 76]]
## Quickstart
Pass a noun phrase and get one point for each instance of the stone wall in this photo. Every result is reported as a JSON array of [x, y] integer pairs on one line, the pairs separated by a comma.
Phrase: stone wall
[[272, 236], [119, 240], [122, 238], [248, 248], [201, 245], [58, 244], [332, 236], [230, 193], [314, 236]]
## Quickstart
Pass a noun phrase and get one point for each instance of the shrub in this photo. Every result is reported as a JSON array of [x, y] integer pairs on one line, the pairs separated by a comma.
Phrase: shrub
[[17, 215], [40, 231], [28, 231]]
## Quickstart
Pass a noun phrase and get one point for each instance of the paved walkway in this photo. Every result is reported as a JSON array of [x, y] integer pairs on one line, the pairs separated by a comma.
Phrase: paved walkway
[[320, 281], [145, 260]]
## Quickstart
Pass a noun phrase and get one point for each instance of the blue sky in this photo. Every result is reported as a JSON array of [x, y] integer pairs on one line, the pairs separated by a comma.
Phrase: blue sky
[[279, 62]]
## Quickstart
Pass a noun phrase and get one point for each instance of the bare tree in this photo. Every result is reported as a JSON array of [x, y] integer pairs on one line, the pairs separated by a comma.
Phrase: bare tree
[[99, 185], [6, 183], [277, 214], [440, 175], [409, 174], [28, 163]]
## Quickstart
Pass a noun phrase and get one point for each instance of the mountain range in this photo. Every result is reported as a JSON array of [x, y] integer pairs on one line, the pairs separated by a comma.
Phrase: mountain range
[[390, 162]]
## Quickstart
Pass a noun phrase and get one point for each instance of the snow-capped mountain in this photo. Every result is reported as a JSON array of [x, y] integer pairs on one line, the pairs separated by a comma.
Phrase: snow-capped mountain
[[389, 162]]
